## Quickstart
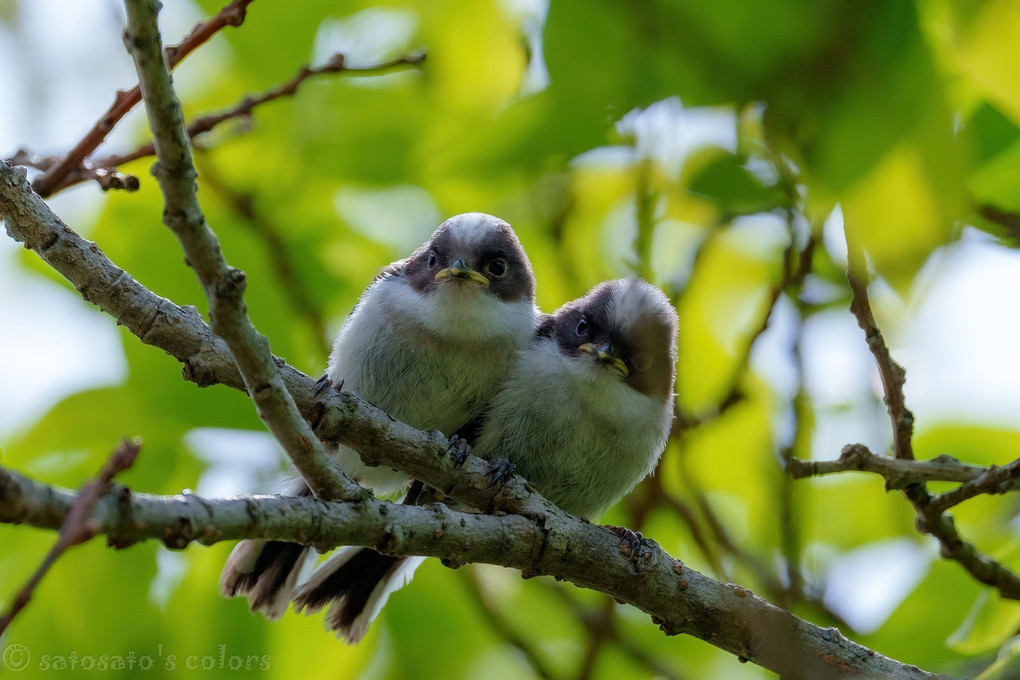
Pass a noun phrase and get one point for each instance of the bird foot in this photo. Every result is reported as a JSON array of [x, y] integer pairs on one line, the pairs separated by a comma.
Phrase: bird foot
[[639, 550], [459, 449], [500, 470], [322, 383]]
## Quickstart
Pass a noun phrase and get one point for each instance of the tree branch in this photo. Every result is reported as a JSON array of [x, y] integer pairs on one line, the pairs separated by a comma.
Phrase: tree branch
[[931, 518], [224, 286], [898, 472], [679, 599], [243, 109], [77, 526], [106, 177], [127, 517], [602, 627], [502, 626], [232, 14], [992, 480], [892, 374]]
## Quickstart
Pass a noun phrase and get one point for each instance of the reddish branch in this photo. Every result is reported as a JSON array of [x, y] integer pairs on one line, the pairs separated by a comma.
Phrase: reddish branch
[[51, 180], [243, 109], [78, 526], [103, 170]]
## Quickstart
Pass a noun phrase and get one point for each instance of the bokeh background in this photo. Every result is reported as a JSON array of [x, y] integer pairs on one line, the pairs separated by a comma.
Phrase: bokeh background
[[704, 146]]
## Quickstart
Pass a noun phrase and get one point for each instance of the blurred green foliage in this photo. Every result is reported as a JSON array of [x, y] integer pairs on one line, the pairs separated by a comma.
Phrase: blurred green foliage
[[905, 114]]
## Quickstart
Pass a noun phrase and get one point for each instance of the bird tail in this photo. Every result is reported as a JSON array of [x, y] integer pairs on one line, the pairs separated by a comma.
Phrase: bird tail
[[265, 572], [355, 582]]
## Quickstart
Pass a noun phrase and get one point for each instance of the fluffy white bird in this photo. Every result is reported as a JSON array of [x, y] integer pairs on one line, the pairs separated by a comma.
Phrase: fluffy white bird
[[584, 414], [586, 410], [429, 342]]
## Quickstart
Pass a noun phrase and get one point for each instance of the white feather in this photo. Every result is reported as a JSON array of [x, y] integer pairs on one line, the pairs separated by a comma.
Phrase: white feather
[[428, 360], [400, 577], [574, 428]]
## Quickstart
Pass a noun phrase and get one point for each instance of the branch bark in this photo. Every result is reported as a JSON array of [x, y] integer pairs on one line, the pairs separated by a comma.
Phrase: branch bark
[[77, 525], [898, 473], [679, 599], [232, 14], [892, 374], [224, 285]]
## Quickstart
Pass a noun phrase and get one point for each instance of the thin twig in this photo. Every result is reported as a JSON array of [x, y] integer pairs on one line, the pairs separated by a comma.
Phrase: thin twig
[[645, 201], [232, 14], [601, 623], [104, 170], [994, 480], [78, 525], [224, 286], [796, 266], [892, 374], [930, 516], [898, 473], [601, 626], [106, 178], [243, 109]]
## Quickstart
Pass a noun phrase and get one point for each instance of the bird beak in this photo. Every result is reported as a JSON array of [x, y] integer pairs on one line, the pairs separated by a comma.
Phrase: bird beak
[[458, 270], [604, 355]]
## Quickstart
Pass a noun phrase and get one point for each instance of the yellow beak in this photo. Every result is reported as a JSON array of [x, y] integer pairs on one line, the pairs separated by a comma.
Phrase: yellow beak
[[458, 270], [604, 354]]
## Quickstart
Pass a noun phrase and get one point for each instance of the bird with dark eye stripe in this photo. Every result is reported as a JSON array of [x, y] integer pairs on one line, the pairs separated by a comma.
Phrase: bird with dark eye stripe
[[428, 342], [583, 413], [586, 409]]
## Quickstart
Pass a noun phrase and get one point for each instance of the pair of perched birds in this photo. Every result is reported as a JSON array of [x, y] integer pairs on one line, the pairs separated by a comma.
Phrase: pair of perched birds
[[580, 401]]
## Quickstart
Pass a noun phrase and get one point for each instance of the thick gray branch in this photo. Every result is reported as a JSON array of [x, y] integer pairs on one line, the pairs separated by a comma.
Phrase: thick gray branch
[[224, 286], [679, 599]]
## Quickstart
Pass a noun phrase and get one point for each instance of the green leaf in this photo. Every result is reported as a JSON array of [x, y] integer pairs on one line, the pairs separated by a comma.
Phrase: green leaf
[[724, 179]]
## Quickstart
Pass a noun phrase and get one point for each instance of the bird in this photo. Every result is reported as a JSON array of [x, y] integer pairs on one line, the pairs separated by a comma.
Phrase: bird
[[584, 414], [586, 410], [428, 342]]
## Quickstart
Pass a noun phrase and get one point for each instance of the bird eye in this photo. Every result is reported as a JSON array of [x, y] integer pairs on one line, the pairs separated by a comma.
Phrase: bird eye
[[582, 326], [497, 267], [433, 259]]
